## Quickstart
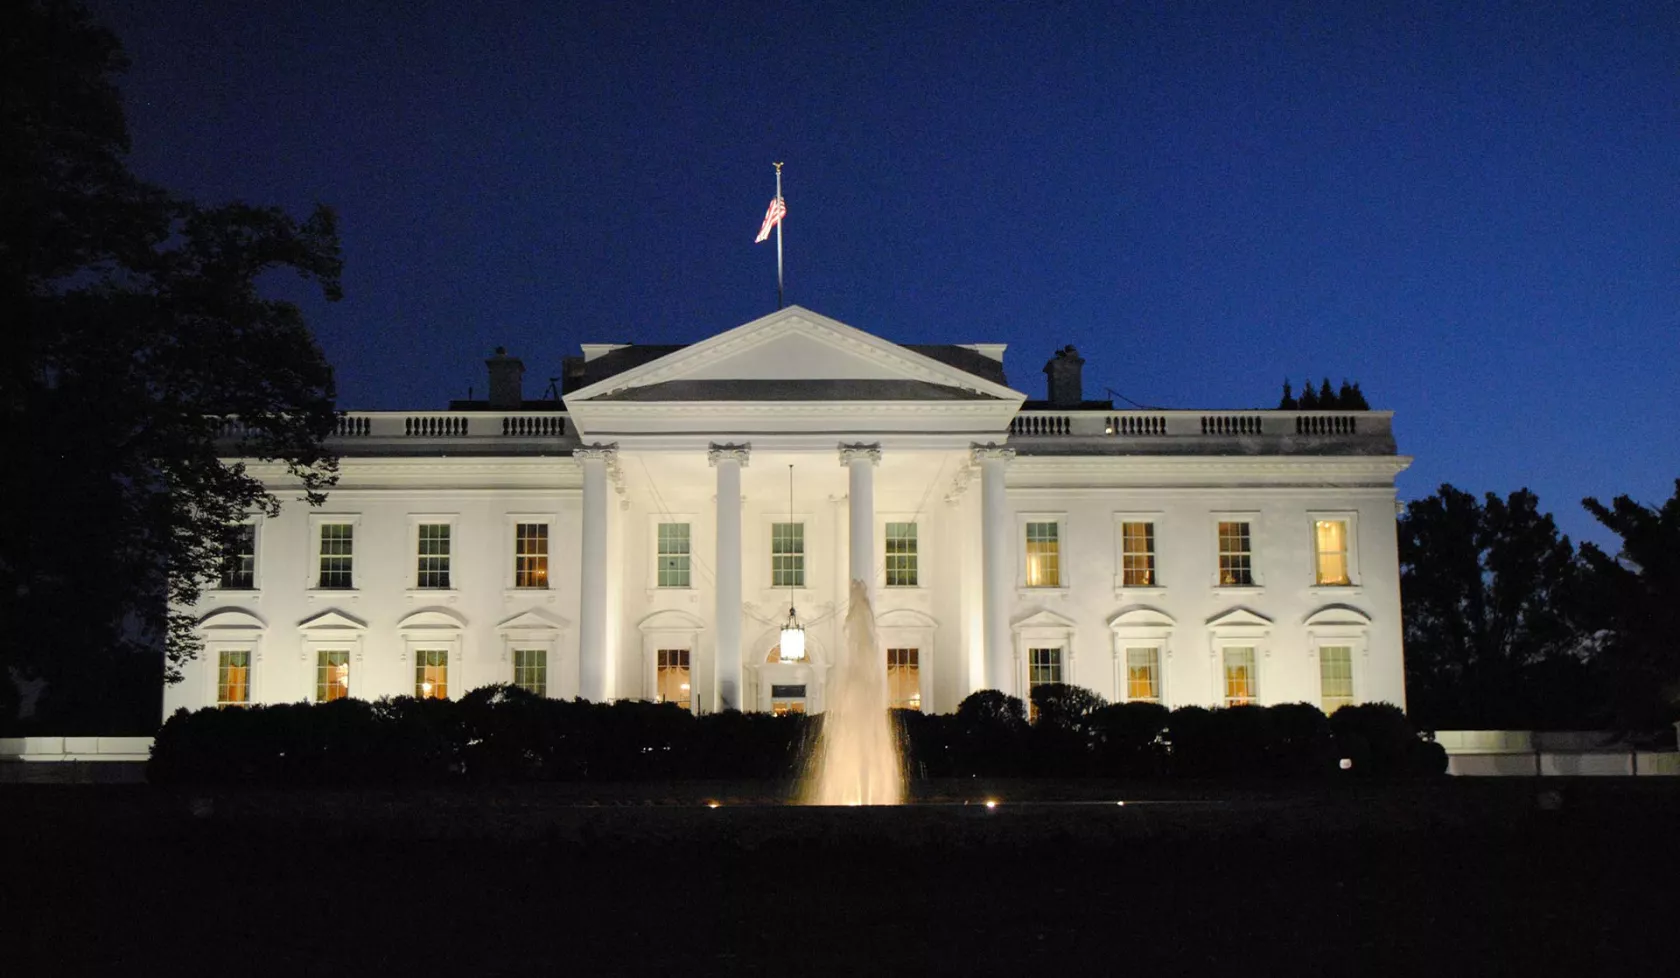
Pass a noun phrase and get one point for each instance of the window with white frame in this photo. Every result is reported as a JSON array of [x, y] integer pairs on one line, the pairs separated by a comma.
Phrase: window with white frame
[[336, 553], [432, 546], [1335, 677], [904, 680], [1044, 667], [233, 678], [332, 675], [1332, 552], [673, 555], [530, 555], [673, 678], [239, 567], [787, 555], [1137, 553], [1043, 553], [1236, 554], [530, 670], [1143, 674], [431, 674], [902, 556], [1241, 682]]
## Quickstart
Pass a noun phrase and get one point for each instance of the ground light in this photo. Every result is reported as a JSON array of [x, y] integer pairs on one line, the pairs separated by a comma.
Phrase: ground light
[[991, 803]]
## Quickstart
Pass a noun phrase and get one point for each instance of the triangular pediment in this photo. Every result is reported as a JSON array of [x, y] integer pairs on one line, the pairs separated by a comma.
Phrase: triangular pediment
[[533, 620], [332, 620], [1239, 618], [1044, 620], [793, 354]]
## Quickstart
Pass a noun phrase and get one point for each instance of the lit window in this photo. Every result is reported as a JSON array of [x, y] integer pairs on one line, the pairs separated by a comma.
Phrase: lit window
[[233, 678], [338, 542], [1044, 555], [433, 569], [530, 555], [787, 555], [1143, 675], [673, 680], [239, 569], [1137, 554], [1335, 674], [1330, 541], [431, 674], [1240, 687], [904, 682], [530, 670], [901, 555], [787, 700], [1044, 666], [673, 555], [1236, 555], [332, 676]]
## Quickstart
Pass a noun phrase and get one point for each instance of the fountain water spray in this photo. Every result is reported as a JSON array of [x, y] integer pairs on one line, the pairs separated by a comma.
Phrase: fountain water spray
[[856, 760]]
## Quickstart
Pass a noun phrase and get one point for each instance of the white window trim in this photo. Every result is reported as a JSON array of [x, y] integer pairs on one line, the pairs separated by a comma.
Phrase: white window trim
[[1045, 630], [1335, 626], [312, 565], [353, 645], [216, 592], [510, 551], [763, 555], [1241, 635], [1062, 587], [923, 525], [672, 630], [213, 649], [531, 630], [1257, 567], [1148, 629], [430, 632], [452, 520], [1120, 519], [653, 522], [906, 628], [1351, 518]]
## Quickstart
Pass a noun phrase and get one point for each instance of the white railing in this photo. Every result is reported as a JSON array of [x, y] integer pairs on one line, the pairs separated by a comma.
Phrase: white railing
[[451, 425], [1198, 424]]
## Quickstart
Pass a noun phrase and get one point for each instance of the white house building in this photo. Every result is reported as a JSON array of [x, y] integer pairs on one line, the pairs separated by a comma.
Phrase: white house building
[[636, 539]]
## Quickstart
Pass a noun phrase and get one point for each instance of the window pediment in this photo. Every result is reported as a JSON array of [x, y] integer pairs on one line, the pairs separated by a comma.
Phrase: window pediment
[[533, 621], [231, 620], [1338, 614], [670, 620], [431, 619], [331, 620], [1044, 620], [1141, 616], [1239, 619], [905, 618]]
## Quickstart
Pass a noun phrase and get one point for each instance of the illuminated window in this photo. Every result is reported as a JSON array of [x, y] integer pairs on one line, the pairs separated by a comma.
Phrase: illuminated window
[[787, 700], [1044, 666], [904, 680], [1044, 555], [431, 674], [337, 547], [901, 555], [239, 569], [332, 676], [530, 555], [1240, 685], [1335, 675], [530, 670], [787, 555], [1236, 555], [1330, 542], [433, 570], [233, 678], [673, 679], [1143, 674], [673, 555], [1137, 554]]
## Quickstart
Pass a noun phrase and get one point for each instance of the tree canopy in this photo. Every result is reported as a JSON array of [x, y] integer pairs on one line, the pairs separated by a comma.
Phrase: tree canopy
[[1636, 597], [140, 327]]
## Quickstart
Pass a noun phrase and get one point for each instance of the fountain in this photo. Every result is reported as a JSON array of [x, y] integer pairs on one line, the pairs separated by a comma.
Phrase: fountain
[[856, 760]]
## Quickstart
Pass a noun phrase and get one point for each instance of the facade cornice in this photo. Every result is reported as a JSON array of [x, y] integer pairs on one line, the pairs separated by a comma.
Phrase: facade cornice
[[1060, 472]]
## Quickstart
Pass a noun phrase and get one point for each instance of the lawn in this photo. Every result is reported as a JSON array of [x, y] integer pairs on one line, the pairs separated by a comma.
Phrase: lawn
[[1447, 877]]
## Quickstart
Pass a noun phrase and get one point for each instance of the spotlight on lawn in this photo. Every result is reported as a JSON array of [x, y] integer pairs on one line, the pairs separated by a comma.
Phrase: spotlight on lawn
[[991, 803], [711, 804], [1121, 804], [1347, 764]]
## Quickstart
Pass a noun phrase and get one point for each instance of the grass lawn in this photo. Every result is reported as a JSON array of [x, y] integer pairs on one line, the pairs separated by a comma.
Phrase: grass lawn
[[1452, 876]]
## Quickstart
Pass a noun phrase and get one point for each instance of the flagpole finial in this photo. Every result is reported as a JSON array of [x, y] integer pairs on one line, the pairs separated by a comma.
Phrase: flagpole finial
[[778, 167]]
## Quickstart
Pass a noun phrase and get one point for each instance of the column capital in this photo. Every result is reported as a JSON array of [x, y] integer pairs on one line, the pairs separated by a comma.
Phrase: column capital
[[597, 452], [860, 453], [729, 453], [978, 453]]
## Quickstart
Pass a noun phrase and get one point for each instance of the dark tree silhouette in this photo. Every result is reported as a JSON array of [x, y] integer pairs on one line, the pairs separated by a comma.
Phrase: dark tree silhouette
[[1635, 596], [137, 326]]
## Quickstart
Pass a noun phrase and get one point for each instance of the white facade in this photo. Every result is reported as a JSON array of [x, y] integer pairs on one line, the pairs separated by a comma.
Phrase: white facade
[[702, 437]]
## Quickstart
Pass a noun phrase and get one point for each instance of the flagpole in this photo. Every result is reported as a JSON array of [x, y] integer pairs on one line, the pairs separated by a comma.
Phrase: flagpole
[[778, 240]]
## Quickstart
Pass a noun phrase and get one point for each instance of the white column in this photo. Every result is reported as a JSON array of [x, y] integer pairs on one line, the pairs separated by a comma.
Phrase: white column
[[728, 460], [860, 462], [592, 598], [997, 568]]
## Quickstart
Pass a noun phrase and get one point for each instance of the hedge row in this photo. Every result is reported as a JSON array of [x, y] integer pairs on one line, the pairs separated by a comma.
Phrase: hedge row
[[502, 733]]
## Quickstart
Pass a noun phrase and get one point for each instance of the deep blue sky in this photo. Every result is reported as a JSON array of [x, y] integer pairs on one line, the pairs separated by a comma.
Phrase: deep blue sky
[[1471, 208]]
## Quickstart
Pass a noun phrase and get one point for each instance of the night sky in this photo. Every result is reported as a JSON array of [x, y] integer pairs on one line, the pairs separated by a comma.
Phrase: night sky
[[1473, 209]]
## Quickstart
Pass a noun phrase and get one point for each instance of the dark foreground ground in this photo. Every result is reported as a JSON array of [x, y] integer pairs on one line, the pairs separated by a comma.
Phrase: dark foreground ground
[[1449, 877]]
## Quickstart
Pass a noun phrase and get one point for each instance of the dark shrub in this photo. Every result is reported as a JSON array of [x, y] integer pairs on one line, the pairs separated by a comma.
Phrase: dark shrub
[[1379, 739], [1128, 739], [929, 742], [1303, 744], [991, 735], [1061, 738], [424, 738], [1190, 742]]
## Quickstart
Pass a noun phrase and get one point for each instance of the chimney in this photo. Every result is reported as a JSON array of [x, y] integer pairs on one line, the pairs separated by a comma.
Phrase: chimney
[[1067, 389], [507, 381]]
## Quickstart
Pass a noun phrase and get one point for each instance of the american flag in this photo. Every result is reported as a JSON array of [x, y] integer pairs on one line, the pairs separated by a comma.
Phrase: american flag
[[772, 217]]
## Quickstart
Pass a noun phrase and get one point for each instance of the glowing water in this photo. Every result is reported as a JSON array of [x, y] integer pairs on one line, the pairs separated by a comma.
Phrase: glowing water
[[856, 760]]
